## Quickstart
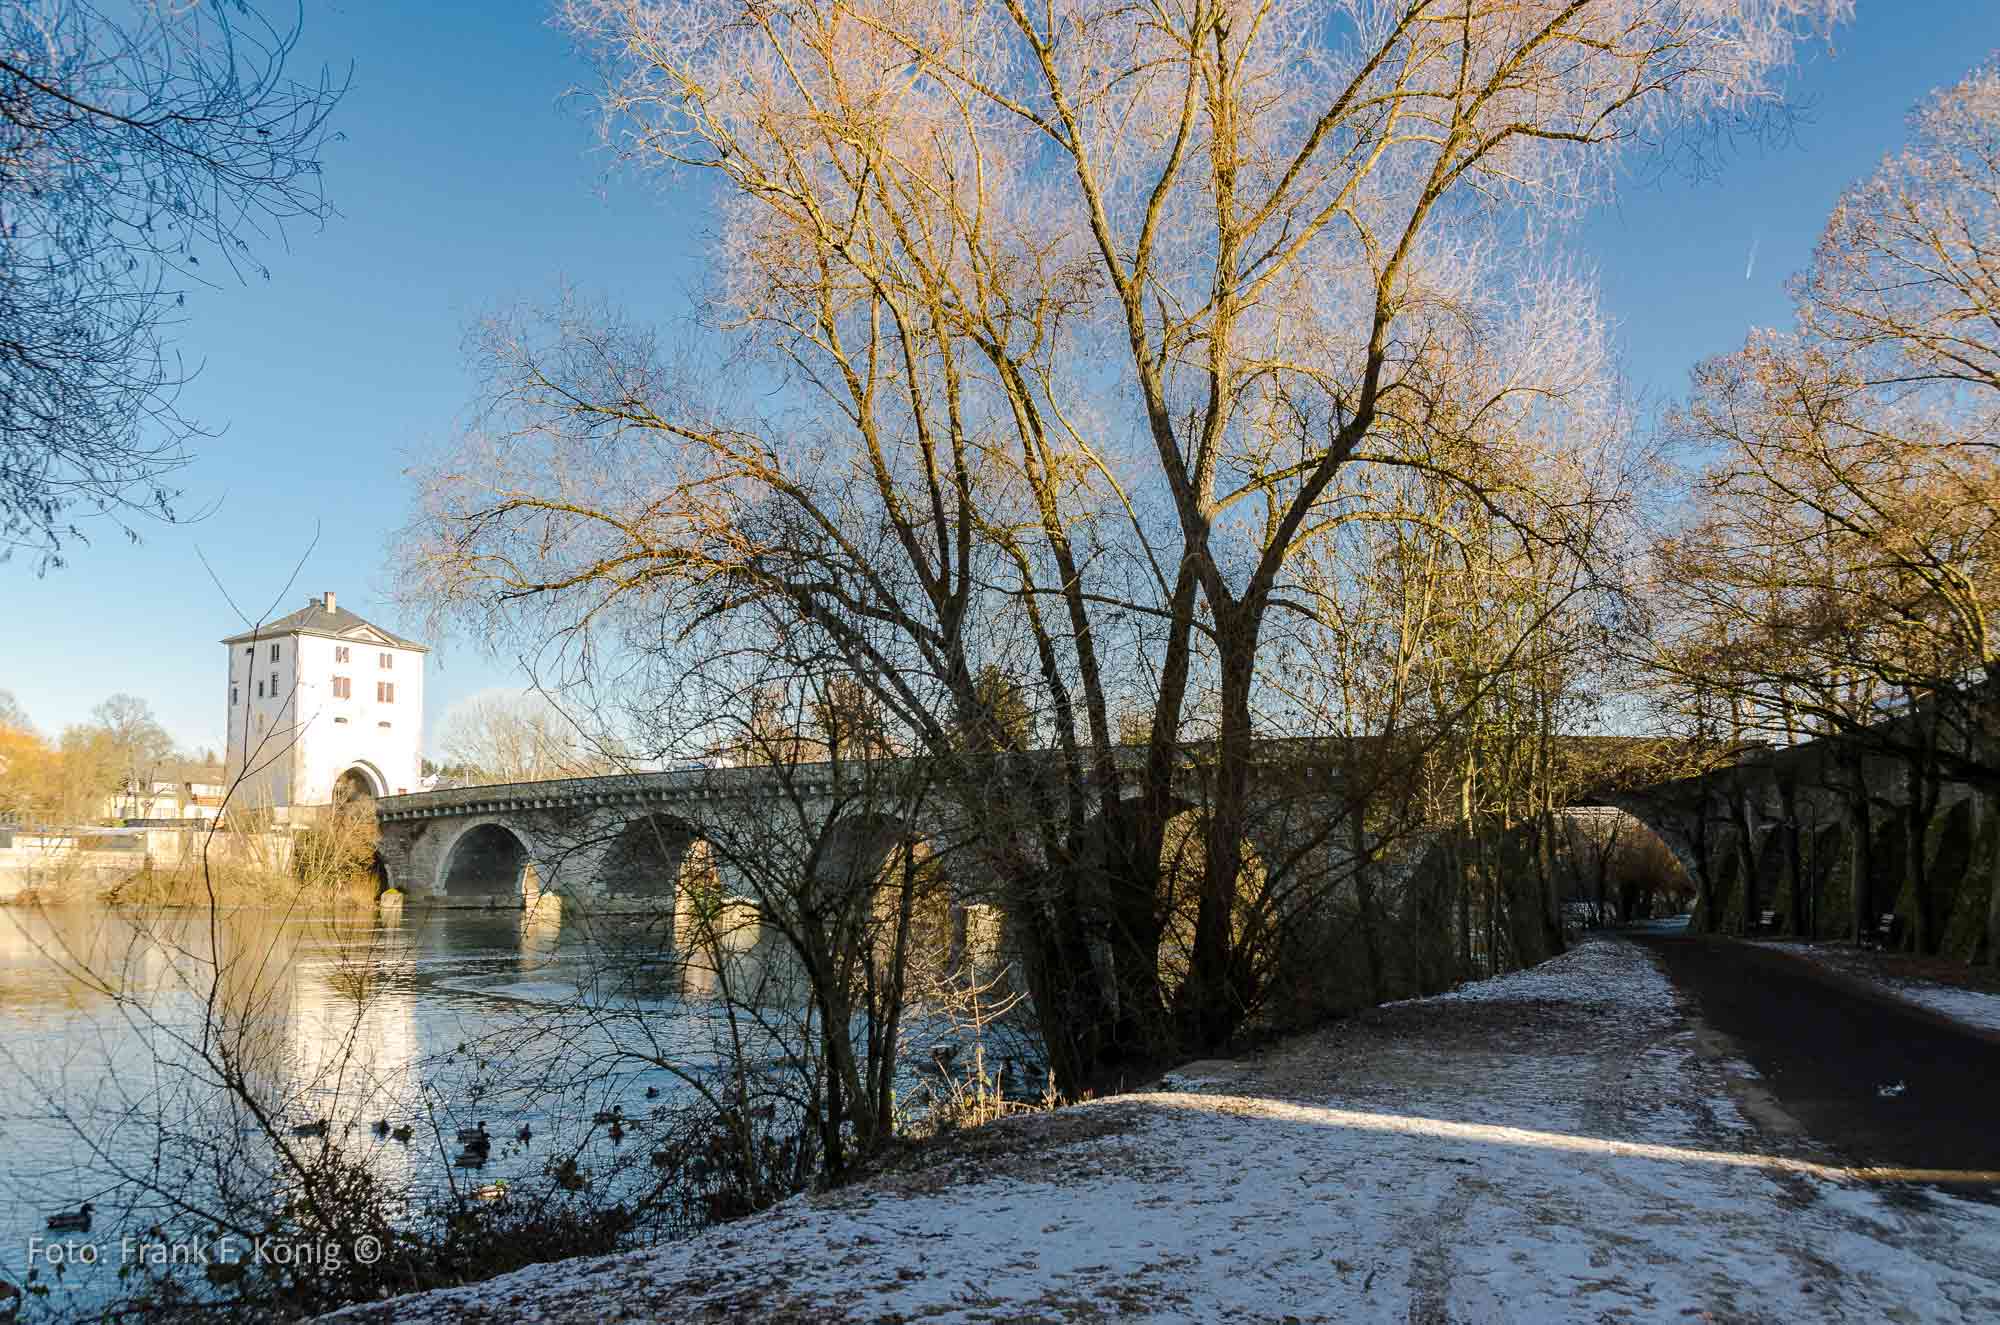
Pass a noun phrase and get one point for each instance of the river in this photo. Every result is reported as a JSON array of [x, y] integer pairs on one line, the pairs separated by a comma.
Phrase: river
[[115, 1026]]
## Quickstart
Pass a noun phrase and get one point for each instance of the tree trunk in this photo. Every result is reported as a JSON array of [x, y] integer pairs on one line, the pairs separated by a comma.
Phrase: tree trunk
[[1364, 896], [1062, 981], [1704, 866], [1984, 808], [1604, 877], [1746, 855], [1215, 995], [1860, 854], [1923, 786], [1460, 879], [1799, 918], [1144, 1023]]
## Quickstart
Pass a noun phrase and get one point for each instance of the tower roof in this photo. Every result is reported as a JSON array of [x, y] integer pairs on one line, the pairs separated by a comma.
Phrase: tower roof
[[324, 616]]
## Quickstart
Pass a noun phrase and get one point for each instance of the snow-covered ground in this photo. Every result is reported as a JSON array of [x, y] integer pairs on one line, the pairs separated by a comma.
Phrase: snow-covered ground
[[1548, 1146], [1966, 1005]]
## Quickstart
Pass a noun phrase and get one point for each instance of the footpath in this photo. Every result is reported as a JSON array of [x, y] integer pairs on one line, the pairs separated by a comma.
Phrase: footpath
[[1859, 1066]]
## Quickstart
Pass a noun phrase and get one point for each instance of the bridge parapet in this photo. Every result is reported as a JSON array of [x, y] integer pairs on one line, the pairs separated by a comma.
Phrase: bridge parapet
[[1307, 758], [622, 789]]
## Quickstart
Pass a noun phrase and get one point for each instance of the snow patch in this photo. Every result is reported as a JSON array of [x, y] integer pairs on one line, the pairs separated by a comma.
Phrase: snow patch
[[1543, 1146]]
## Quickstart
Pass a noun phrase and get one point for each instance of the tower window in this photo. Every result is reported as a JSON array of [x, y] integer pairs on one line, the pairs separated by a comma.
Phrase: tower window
[[340, 653], [387, 660], [274, 683], [232, 696], [260, 690], [385, 692], [343, 687], [274, 653]]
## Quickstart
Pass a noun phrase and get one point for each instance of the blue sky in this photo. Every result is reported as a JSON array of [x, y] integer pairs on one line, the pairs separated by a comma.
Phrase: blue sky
[[465, 180]]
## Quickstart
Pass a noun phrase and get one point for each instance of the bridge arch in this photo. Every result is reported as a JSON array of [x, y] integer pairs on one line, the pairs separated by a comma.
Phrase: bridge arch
[[647, 857], [857, 847], [866, 853], [1637, 856], [488, 860]]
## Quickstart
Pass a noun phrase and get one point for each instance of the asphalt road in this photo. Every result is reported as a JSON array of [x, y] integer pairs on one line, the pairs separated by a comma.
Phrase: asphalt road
[[1826, 1044]]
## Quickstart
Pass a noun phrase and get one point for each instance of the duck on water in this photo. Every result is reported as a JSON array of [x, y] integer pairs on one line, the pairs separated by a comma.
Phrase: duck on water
[[478, 1145], [71, 1221]]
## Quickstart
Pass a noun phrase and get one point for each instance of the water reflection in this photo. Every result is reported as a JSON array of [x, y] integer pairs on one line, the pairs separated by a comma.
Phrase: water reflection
[[116, 1025]]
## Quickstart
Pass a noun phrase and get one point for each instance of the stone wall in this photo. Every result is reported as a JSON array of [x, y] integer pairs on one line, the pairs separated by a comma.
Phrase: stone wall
[[1787, 833]]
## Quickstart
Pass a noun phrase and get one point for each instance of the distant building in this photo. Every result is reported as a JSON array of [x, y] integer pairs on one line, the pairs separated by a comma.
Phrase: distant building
[[323, 706], [178, 792]]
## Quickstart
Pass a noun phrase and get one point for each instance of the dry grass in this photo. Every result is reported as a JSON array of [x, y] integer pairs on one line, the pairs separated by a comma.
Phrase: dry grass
[[239, 885]]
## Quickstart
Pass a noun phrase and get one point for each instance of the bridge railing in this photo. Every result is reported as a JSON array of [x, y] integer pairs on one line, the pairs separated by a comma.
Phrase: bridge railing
[[1296, 750]]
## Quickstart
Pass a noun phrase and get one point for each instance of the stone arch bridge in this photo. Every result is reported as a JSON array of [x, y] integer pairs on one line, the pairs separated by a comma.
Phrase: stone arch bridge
[[634, 839], [1820, 837], [686, 848]]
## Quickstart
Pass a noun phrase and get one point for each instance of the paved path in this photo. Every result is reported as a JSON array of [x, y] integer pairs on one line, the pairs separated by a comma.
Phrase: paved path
[[1826, 1045]]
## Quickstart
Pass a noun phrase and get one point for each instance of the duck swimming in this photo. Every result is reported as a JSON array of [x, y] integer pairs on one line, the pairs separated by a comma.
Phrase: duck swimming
[[71, 1221]]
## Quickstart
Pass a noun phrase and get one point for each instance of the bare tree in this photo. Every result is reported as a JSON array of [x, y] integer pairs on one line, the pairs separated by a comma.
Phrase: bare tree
[[135, 141], [1079, 314], [499, 737], [1836, 579], [137, 741]]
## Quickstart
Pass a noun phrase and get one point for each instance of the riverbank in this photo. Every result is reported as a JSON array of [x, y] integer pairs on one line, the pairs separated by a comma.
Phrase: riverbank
[[146, 864], [432, 1020], [1551, 1145]]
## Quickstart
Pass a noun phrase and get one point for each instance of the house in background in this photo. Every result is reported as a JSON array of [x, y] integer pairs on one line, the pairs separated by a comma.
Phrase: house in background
[[324, 707], [178, 792]]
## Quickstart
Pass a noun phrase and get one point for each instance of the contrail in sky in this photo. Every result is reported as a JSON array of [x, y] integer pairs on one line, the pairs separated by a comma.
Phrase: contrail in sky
[[1751, 265]]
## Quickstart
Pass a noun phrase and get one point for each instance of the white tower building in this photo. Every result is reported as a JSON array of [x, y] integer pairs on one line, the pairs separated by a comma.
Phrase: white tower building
[[323, 706]]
